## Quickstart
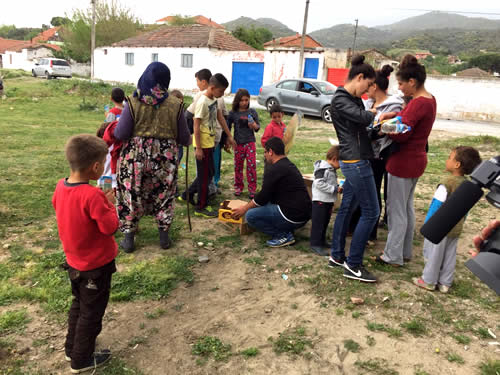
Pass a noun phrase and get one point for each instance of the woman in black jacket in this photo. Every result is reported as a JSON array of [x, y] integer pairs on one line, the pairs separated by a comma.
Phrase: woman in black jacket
[[350, 120]]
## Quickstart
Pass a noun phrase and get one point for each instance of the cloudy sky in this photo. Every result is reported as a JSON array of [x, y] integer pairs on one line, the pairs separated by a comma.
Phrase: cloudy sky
[[322, 13]]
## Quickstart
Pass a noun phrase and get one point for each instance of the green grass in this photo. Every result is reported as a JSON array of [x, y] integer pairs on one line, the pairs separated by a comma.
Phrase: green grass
[[155, 314], [13, 321], [292, 341], [462, 339], [250, 352], [209, 346], [392, 332], [375, 366], [352, 346], [456, 358], [490, 367], [415, 326]]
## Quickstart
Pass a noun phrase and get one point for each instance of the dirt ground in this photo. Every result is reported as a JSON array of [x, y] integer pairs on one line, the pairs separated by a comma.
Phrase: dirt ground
[[244, 304]]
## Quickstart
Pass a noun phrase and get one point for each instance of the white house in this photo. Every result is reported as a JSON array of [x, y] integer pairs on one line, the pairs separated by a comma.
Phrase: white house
[[187, 49], [24, 56]]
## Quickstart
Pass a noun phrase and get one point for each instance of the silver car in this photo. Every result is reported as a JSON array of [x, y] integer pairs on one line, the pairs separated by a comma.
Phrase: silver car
[[311, 96], [51, 68]]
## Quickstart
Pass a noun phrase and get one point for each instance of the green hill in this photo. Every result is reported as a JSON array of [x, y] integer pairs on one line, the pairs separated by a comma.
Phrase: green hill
[[277, 28]]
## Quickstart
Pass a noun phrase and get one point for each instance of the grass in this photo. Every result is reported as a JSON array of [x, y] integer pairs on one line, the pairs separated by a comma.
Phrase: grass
[[13, 321], [352, 346], [462, 339], [292, 341], [250, 352], [209, 346], [375, 366], [392, 332], [490, 367], [415, 326], [456, 358], [155, 314]]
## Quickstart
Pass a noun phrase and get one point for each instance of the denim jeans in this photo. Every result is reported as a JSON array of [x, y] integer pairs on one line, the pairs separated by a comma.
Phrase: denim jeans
[[268, 219], [359, 188]]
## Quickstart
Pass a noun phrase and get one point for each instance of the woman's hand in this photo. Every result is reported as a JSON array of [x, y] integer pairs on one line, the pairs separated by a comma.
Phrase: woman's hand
[[485, 233], [386, 116], [199, 153]]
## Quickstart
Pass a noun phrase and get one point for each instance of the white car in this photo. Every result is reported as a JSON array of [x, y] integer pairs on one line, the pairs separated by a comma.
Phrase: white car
[[51, 68]]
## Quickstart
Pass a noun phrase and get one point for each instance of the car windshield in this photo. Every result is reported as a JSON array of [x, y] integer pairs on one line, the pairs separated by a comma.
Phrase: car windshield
[[60, 62], [325, 87]]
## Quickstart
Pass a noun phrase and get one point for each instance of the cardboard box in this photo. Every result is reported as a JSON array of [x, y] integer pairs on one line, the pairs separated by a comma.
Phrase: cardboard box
[[308, 181], [225, 211]]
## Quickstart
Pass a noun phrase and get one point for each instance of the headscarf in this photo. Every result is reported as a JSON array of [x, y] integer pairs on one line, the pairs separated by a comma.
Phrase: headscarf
[[153, 84]]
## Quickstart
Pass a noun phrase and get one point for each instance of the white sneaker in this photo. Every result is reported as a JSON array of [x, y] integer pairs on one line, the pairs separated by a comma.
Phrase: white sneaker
[[443, 288]]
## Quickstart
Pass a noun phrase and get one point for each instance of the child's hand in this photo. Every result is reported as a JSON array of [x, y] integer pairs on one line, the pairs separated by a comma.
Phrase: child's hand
[[227, 148], [198, 153], [110, 194], [340, 190], [386, 116]]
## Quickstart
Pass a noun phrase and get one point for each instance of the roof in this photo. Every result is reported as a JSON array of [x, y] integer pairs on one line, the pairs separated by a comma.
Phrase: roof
[[473, 72], [186, 36], [19, 45], [200, 20], [46, 35], [293, 41]]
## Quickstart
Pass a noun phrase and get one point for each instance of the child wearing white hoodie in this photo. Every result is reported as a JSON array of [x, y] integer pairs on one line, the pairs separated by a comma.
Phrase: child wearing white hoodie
[[324, 194]]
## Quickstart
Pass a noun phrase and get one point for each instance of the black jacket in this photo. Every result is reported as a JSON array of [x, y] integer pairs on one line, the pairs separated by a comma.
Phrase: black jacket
[[350, 120]]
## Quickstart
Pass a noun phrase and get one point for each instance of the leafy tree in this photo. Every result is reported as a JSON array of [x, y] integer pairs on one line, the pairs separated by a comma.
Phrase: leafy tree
[[488, 61], [23, 33], [179, 20], [59, 21], [255, 37], [113, 23]]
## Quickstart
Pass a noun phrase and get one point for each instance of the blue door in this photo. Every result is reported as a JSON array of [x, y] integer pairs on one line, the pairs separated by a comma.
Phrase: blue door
[[311, 68], [247, 75]]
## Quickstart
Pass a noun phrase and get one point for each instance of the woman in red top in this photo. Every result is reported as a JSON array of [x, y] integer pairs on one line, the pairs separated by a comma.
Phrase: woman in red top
[[408, 162]]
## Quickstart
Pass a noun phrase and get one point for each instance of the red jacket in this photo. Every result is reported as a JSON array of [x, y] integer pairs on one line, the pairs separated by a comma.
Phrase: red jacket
[[273, 130], [86, 221], [109, 138], [411, 159]]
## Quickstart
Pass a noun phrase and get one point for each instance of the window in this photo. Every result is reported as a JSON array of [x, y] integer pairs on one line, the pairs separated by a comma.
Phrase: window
[[186, 61], [287, 85], [60, 63], [305, 87], [129, 59], [154, 57]]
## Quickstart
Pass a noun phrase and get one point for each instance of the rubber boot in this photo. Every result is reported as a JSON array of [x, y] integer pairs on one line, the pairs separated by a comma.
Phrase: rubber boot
[[127, 243], [165, 241]]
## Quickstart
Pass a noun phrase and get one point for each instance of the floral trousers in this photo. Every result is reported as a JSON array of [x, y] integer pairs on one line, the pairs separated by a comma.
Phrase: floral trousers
[[246, 151], [147, 179]]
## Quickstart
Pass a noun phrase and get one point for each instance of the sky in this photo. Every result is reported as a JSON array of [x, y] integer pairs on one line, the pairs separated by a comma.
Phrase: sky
[[322, 13]]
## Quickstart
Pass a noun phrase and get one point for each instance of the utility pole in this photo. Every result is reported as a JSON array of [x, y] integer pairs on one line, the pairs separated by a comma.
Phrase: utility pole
[[92, 41], [355, 34], [304, 28]]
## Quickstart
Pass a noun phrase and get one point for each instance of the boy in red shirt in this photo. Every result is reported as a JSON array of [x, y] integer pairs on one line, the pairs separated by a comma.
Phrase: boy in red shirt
[[276, 128], [86, 220], [117, 97]]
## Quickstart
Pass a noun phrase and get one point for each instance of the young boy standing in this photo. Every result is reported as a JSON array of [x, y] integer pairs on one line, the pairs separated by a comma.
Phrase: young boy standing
[[117, 97], [441, 258], [206, 115], [86, 220], [324, 194]]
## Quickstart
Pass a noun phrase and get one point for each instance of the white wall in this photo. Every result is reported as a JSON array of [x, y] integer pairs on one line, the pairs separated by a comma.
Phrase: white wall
[[24, 59], [277, 65]]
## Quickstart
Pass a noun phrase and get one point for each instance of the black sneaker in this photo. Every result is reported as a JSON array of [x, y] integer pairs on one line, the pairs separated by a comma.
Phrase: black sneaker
[[98, 359], [207, 212], [332, 262], [320, 251], [358, 273]]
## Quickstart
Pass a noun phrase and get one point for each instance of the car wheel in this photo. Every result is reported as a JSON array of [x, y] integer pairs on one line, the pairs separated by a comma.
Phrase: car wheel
[[33, 74], [270, 102], [47, 75], [326, 114]]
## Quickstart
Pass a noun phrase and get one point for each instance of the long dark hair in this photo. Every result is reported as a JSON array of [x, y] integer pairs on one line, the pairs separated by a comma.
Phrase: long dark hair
[[411, 68], [237, 97], [358, 66]]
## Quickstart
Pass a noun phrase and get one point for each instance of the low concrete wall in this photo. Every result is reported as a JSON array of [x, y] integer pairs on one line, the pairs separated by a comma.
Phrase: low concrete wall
[[80, 69], [461, 98]]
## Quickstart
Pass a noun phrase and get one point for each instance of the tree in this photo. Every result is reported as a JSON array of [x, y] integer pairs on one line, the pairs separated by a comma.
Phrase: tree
[[113, 23], [488, 61], [255, 37], [179, 20], [23, 33], [59, 21]]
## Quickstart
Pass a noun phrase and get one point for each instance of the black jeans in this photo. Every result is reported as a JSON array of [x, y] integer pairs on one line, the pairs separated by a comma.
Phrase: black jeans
[[90, 297], [204, 174], [321, 214]]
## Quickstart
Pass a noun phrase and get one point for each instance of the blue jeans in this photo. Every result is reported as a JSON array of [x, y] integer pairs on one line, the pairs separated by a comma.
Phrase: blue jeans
[[359, 188], [268, 219], [217, 163]]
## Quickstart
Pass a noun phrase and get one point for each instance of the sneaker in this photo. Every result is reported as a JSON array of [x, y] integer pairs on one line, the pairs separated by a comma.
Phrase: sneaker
[[422, 284], [358, 273], [320, 251], [207, 212], [379, 260], [443, 288], [332, 262], [281, 241], [67, 358], [182, 198], [98, 359]]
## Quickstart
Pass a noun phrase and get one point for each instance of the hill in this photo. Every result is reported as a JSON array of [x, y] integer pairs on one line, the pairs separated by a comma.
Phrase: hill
[[441, 20], [342, 36], [277, 28]]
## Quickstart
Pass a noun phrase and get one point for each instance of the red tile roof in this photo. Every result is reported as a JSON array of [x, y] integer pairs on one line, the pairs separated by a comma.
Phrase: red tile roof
[[185, 37], [200, 20], [19, 45], [293, 41], [46, 35]]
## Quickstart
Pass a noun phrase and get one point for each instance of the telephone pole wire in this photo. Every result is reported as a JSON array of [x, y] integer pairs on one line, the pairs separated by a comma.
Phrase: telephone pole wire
[[304, 29]]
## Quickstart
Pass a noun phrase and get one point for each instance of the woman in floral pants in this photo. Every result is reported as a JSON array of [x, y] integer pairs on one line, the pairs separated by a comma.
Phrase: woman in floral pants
[[153, 126]]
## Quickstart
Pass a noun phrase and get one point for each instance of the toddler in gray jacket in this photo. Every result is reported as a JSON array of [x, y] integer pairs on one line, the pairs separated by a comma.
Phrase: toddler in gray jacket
[[324, 195]]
